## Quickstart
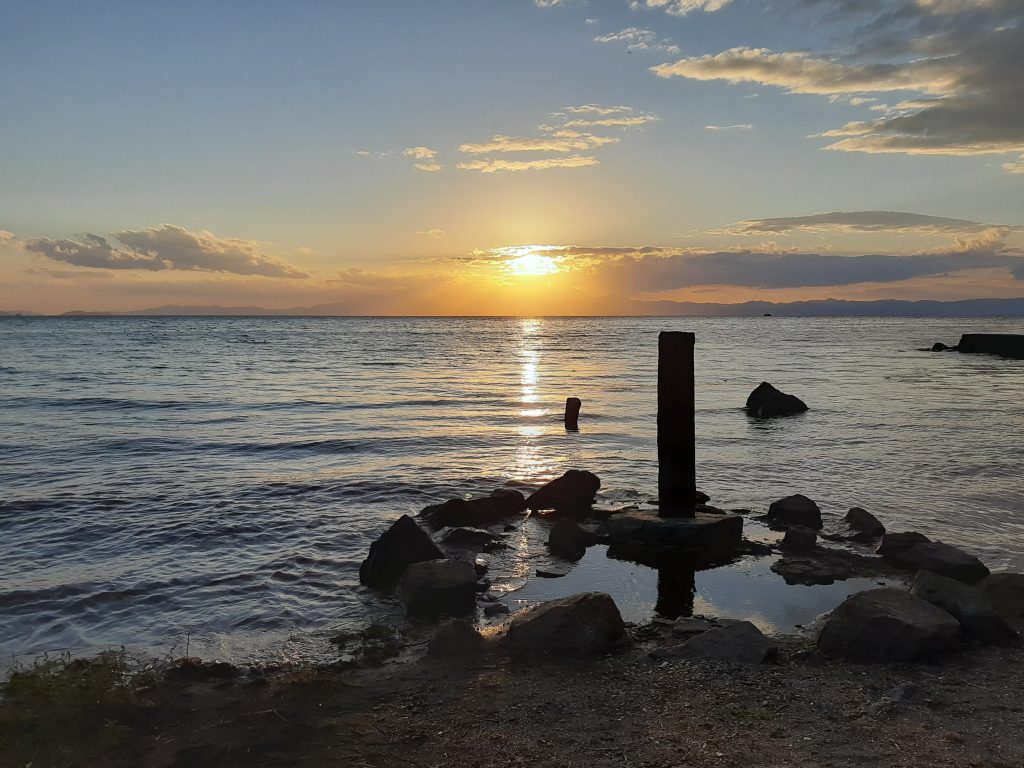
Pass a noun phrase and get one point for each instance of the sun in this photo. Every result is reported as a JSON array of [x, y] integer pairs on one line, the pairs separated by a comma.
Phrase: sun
[[532, 264]]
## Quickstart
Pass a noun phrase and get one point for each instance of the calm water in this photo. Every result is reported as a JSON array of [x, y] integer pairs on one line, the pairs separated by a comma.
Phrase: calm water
[[224, 477]]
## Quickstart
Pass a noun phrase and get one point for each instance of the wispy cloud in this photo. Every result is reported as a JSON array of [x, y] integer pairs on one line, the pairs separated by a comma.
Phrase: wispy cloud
[[680, 7], [636, 39], [433, 234], [499, 166], [557, 141], [862, 221], [737, 127]]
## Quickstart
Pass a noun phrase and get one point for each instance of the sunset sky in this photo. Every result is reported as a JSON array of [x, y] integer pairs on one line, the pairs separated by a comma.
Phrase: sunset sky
[[508, 156]]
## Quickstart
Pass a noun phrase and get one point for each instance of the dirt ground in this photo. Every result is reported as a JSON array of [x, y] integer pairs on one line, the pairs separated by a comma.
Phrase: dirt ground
[[963, 709]]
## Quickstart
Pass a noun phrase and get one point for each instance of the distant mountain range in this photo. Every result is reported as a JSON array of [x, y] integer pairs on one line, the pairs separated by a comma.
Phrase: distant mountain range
[[820, 308]]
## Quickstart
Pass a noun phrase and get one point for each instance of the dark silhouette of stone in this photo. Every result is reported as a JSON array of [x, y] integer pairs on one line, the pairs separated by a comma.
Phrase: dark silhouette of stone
[[867, 525], [495, 609], [487, 510], [585, 623], [568, 539], [795, 510], [1005, 592], [887, 625], [967, 604], [737, 643], [437, 588], [690, 533], [677, 456], [767, 402], [572, 493], [938, 346], [1004, 344], [914, 551], [398, 547], [572, 413], [456, 639], [799, 540]]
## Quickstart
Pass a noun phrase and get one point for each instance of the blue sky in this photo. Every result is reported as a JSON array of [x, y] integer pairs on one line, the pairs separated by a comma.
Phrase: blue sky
[[315, 152]]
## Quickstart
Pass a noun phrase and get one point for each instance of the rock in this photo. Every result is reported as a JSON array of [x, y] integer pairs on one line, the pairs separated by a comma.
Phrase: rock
[[481, 565], [456, 639], [1005, 344], [438, 588], [913, 551], [554, 570], [466, 542], [194, 669], [795, 510], [811, 570], [699, 532], [398, 547], [967, 604], [799, 540], [767, 402], [867, 525], [585, 623], [572, 493], [568, 539], [738, 643], [887, 624], [938, 346], [1005, 592], [699, 497], [495, 609], [486, 510], [707, 509], [688, 626]]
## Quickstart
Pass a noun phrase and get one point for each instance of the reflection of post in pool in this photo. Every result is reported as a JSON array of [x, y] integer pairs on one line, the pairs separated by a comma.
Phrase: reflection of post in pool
[[677, 585], [677, 462], [572, 413]]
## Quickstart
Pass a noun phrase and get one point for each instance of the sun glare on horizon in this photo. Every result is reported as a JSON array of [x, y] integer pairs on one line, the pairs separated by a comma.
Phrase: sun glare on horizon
[[532, 265]]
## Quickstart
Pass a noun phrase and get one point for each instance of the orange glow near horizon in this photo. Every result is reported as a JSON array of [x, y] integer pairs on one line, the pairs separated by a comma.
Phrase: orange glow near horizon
[[532, 264]]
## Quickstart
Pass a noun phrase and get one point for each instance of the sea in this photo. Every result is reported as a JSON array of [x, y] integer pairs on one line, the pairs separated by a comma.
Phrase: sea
[[213, 484]]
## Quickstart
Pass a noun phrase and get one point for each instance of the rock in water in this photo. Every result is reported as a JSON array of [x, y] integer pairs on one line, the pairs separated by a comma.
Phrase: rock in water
[[739, 643], [867, 525], [1005, 592], [401, 545], [799, 540], [571, 493], [568, 539], [887, 625], [437, 588], [966, 604], [585, 623], [795, 510], [486, 510], [915, 551], [456, 639], [767, 402]]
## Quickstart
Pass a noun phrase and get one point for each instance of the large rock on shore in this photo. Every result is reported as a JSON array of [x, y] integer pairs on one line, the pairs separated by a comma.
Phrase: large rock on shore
[[572, 493], [401, 545], [738, 643], [767, 402], [965, 603], [585, 623], [914, 551], [795, 510], [437, 588], [568, 540], [486, 510], [867, 526], [456, 639], [1005, 592], [887, 624]]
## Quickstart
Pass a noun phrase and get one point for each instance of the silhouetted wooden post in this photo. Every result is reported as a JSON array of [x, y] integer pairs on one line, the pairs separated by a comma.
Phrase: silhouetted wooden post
[[677, 456], [572, 413]]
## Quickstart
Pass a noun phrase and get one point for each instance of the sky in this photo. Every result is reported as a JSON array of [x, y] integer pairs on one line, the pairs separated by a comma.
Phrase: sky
[[508, 156]]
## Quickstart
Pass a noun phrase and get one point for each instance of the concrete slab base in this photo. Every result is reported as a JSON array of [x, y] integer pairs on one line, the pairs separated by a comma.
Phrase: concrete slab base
[[692, 533]]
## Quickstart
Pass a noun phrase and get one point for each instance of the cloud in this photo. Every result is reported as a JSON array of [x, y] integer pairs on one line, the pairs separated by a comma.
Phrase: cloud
[[636, 39], [428, 167], [860, 221], [497, 166], [964, 58], [434, 233], [558, 141], [1017, 167], [166, 247], [420, 153], [616, 121], [680, 7], [738, 127]]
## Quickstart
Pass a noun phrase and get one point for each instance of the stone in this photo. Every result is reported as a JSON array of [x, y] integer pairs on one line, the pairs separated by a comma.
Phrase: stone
[[688, 626], [483, 511], [456, 639], [572, 493], [437, 588], [554, 570], [867, 525], [893, 546], [691, 533], [887, 624], [737, 643], [938, 346], [935, 556], [474, 539], [568, 539], [767, 402], [585, 623], [572, 413], [795, 510], [811, 570], [967, 604], [1005, 592], [401, 545], [1005, 344], [495, 609], [799, 540]]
